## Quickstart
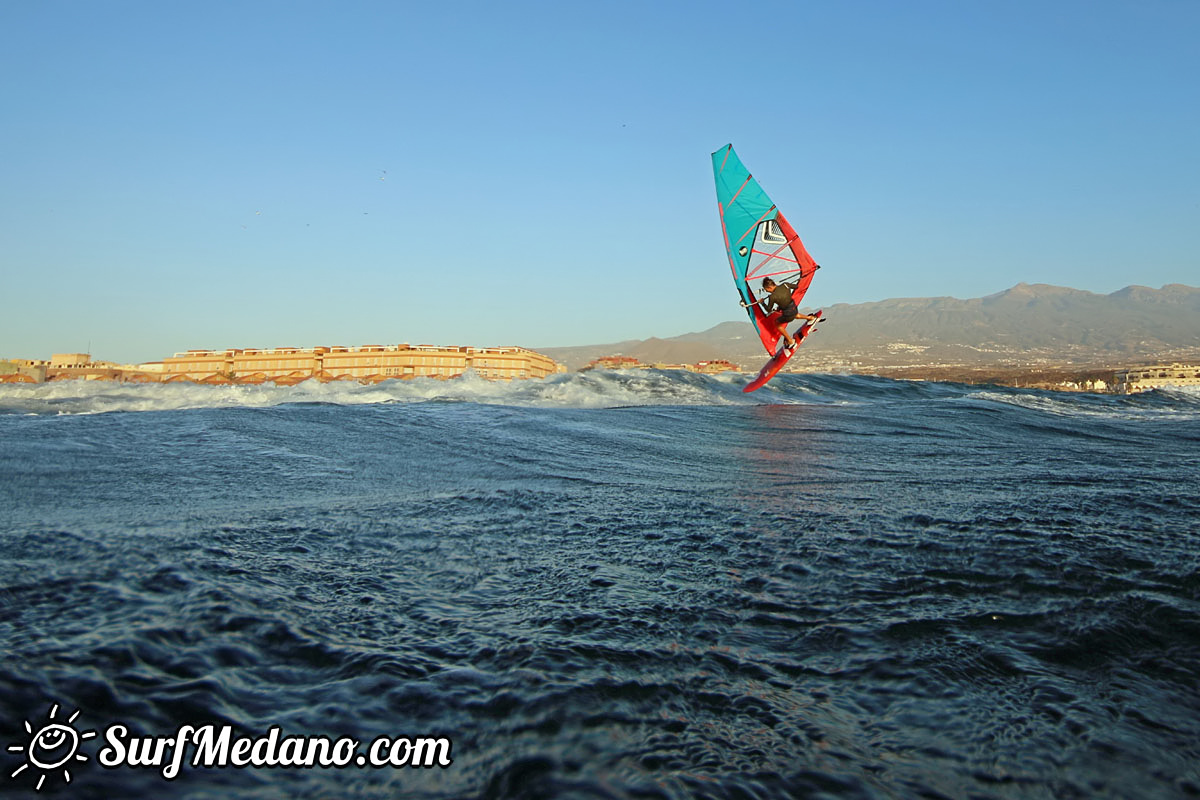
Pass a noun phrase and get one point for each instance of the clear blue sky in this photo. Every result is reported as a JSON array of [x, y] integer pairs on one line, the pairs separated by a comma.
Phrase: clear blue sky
[[208, 174]]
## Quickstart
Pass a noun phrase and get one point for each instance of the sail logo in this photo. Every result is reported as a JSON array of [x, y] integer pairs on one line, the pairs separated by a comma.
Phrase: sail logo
[[771, 233]]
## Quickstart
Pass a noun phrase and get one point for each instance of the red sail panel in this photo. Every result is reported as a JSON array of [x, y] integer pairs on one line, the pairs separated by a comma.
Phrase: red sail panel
[[800, 255]]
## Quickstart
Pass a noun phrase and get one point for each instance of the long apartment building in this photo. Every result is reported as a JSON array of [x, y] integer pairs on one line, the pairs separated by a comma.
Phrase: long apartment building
[[367, 363], [1158, 376]]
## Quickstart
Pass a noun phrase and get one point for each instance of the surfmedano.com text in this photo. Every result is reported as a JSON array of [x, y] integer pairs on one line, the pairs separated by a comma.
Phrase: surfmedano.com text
[[217, 748]]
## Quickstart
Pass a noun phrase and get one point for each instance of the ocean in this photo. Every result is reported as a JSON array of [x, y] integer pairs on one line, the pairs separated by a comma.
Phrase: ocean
[[601, 585]]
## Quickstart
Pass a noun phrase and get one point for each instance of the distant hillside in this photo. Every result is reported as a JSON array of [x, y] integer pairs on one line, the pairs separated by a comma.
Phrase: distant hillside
[[1027, 324]]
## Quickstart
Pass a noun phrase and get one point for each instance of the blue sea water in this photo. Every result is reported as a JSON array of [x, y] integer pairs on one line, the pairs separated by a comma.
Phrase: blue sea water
[[610, 585]]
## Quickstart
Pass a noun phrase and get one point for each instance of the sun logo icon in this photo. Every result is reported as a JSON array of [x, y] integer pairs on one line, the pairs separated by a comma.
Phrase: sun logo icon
[[51, 748]]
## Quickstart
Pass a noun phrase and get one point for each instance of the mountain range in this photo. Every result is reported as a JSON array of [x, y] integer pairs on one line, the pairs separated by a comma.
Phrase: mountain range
[[1028, 325]]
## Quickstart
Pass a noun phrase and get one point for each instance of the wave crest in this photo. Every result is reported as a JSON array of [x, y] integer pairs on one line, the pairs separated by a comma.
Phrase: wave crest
[[593, 389]]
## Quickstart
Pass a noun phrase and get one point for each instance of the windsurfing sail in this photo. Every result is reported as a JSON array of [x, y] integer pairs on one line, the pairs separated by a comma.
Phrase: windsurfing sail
[[760, 242]]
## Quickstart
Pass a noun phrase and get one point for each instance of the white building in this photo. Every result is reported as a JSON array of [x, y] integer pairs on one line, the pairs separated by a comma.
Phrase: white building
[[1141, 379]]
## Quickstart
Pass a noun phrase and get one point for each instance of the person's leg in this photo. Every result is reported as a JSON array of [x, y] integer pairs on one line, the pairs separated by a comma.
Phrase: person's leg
[[783, 331]]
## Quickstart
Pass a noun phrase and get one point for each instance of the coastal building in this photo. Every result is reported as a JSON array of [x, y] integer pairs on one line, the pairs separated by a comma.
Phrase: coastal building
[[278, 365], [23, 370], [72, 361], [196, 365], [510, 363], [375, 362], [81, 367], [1160, 376], [1092, 385], [367, 364], [613, 362], [626, 362], [715, 366]]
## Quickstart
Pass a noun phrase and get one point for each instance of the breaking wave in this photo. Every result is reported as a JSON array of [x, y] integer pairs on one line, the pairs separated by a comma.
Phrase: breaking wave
[[593, 389]]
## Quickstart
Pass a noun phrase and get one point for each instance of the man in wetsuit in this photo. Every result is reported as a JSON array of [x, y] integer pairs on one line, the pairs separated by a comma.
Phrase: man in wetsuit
[[780, 296]]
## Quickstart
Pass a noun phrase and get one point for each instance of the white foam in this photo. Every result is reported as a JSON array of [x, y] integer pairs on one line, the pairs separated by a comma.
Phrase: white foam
[[1097, 406], [595, 389]]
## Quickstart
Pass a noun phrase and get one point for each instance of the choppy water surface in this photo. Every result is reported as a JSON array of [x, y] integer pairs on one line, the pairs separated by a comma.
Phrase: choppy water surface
[[612, 585]]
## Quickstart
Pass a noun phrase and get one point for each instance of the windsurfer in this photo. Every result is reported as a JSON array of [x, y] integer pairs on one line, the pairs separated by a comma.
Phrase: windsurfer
[[779, 295]]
